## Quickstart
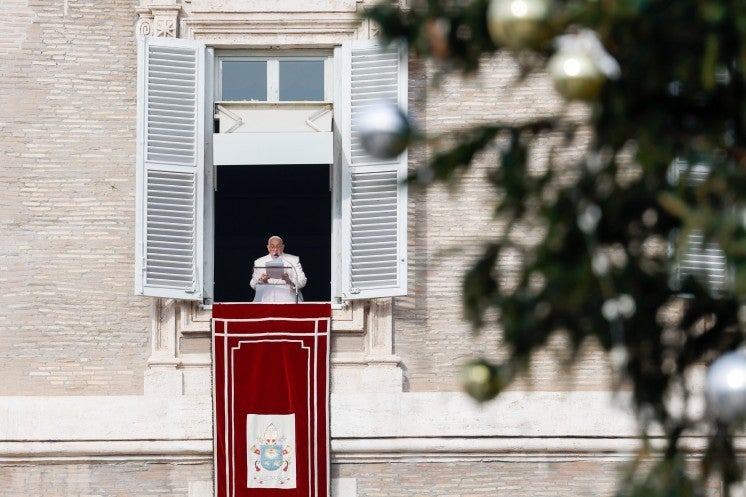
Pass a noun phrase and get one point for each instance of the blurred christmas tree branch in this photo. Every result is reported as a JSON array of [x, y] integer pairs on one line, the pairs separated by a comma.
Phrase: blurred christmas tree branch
[[661, 184]]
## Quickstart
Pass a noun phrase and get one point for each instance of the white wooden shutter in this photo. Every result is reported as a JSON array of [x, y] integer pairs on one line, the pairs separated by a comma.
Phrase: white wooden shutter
[[374, 192], [170, 168], [704, 260], [700, 258]]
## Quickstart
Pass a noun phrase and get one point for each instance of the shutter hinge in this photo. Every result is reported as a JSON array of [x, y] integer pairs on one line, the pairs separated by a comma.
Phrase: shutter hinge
[[354, 291]]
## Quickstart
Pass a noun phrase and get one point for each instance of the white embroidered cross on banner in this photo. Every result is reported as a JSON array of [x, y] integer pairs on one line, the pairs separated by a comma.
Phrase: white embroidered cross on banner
[[271, 455]]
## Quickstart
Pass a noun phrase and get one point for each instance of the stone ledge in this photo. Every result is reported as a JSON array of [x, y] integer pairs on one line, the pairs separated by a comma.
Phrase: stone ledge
[[375, 426], [353, 415], [354, 451], [512, 414], [182, 451], [105, 418], [551, 449]]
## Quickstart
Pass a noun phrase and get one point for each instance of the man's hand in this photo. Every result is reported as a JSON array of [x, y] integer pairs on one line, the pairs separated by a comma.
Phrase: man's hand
[[263, 278], [286, 279]]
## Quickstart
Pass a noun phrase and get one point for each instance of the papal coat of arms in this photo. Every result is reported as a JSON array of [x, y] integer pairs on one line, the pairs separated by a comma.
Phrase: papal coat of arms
[[271, 453]]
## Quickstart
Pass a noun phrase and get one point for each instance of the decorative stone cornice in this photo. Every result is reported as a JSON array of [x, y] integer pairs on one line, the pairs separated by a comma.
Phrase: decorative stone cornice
[[259, 23], [262, 29]]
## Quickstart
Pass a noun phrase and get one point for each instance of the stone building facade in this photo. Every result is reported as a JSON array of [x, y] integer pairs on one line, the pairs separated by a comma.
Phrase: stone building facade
[[108, 393]]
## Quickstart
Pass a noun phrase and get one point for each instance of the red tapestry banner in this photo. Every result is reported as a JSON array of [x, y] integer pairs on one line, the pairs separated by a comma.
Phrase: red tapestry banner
[[271, 380]]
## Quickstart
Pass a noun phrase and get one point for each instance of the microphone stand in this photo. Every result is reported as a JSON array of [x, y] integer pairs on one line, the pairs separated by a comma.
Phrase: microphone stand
[[295, 285]]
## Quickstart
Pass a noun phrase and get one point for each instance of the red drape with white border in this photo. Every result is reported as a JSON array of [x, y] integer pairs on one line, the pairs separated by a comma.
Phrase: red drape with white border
[[271, 399]]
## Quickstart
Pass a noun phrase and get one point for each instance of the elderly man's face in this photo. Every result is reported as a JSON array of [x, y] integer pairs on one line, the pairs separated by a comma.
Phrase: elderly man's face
[[275, 248]]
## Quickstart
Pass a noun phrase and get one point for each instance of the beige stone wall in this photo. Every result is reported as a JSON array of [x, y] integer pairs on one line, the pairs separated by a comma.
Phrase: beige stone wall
[[69, 322], [488, 479], [552, 478], [67, 107], [68, 208], [102, 479], [449, 225], [405, 479]]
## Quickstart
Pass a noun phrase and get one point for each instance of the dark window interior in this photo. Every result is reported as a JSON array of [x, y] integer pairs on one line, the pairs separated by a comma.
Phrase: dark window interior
[[254, 202]]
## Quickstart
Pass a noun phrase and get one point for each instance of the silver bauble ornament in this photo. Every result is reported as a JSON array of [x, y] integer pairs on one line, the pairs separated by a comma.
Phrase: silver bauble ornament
[[725, 387], [520, 24], [384, 130]]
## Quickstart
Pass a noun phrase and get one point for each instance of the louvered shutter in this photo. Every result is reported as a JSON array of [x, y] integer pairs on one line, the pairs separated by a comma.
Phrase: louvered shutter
[[700, 258], [170, 168], [374, 193]]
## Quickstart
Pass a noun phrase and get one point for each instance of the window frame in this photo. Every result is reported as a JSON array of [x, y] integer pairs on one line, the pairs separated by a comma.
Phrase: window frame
[[339, 77], [273, 60]]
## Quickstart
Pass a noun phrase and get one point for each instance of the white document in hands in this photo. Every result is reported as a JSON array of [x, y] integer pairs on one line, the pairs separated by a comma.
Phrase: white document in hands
[[275, 268]]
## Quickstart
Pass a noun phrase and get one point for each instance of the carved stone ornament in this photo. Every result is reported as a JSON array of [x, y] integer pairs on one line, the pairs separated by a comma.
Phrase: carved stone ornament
[[165, 24], [158, 18], [144, 26]]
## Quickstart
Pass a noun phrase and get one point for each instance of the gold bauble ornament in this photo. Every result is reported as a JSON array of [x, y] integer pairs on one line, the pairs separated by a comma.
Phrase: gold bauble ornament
[[575, 76], [481, 380], [519, 24], [581, 65]]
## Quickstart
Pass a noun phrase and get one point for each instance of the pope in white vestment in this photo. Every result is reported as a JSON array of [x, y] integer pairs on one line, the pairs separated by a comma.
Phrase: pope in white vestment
[[278, 276]]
